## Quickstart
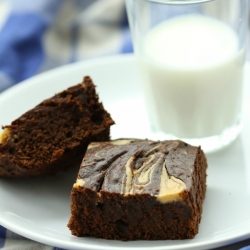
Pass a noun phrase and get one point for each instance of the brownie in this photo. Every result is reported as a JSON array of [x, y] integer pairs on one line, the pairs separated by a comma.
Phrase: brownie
[[139, 189], [55, 134]]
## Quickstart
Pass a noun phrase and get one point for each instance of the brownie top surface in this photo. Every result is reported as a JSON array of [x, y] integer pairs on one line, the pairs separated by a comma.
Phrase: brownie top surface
[[160, 168]]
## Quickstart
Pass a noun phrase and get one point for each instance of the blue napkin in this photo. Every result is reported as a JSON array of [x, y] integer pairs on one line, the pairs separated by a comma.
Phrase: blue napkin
[[43, 34]]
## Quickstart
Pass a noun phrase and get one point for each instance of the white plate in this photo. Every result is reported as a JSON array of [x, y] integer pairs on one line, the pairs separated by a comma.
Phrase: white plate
[[38, 208]]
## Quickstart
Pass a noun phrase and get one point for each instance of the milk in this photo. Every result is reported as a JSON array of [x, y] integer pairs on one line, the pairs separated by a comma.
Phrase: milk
[[192, 73]]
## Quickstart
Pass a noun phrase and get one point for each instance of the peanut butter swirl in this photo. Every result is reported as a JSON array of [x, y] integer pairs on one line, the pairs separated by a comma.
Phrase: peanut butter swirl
[[4, 135], [135, 167]]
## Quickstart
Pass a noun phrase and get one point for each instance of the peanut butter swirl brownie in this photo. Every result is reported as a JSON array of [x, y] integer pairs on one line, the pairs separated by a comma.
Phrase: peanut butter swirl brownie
[[55, 134], [139, 189]]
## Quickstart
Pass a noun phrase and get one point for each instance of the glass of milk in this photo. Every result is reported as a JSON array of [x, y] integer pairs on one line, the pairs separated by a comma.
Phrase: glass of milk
[[191, 56]]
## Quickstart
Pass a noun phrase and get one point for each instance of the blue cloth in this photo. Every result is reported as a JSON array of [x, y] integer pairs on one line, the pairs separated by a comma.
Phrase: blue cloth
[[34, 30], [245, 248], [38, 35], [2, 236]]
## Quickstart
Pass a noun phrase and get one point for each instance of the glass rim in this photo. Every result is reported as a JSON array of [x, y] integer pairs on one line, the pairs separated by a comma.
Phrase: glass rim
[[179, 2]]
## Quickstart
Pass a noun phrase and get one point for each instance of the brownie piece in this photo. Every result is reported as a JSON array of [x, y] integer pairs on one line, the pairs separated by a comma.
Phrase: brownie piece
[[55, 134], [139, 189]]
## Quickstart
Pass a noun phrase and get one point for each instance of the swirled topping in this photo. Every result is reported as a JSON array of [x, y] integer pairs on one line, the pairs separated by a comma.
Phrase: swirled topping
[[4, 135], [136, 167]]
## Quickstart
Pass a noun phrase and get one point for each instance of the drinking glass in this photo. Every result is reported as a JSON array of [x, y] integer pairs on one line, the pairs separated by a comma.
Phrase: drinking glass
[[191, 56]]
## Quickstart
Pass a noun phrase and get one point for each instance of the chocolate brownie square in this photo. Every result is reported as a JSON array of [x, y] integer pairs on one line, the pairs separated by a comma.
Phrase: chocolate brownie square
[[55, 134], [139, 189]]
